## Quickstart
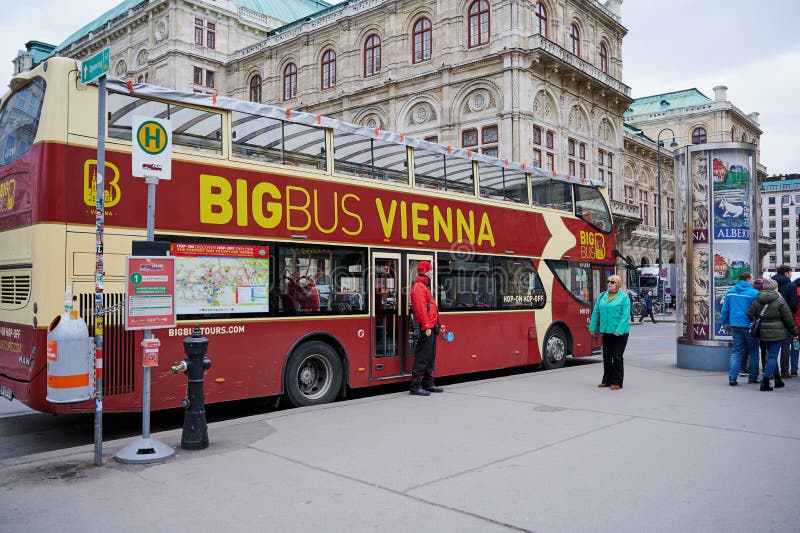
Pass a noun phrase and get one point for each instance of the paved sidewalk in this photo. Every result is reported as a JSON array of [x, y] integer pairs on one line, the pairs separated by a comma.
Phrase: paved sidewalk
[[675, 450]]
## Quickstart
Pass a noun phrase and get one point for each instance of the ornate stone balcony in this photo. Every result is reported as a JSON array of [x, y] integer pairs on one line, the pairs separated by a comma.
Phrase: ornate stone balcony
[[546, 50]]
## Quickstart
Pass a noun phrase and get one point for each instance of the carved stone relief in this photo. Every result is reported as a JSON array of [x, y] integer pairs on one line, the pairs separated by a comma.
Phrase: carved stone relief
[[161, 30]]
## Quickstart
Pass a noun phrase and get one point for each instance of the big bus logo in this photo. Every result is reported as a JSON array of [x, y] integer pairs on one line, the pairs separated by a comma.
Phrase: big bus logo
[[8, 189], [111, 191], [593, 245]]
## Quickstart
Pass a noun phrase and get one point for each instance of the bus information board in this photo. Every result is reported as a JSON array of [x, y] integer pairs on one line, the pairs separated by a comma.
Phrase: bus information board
[[221, 278], [150, 293]]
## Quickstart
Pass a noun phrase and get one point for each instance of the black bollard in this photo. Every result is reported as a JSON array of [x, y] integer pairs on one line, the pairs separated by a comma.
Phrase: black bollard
[[195, 429]]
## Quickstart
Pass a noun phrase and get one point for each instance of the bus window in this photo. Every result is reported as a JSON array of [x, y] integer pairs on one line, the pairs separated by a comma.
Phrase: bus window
[[591, 207], [195, 129], [258, 138], [490, 178], [19, 120], [553, 195], [304, 146], [319, 280], [465, 283], [364, 157], [276, 141], [504, 184], [122, 107], [459, 176], [518, 285], [434, 171], [575, 277]]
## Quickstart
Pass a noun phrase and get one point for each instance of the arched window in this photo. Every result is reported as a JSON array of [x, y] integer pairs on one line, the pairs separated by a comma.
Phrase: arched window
[[372, 56], [422, 40], [290, 81], [575, 39], [603, 58], [699, 136], [255, 88], [541, 18], [328, 69], [478, 23]]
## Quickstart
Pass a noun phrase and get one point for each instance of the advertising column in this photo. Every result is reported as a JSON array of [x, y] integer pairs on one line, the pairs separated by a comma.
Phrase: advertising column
[[716, 196]]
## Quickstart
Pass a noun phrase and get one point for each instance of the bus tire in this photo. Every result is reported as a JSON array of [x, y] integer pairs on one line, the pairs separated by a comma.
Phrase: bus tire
[[313, 374], [554, 349]]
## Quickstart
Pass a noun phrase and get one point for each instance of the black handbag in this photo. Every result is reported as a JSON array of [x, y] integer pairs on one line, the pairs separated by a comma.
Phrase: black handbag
[[755, 327]]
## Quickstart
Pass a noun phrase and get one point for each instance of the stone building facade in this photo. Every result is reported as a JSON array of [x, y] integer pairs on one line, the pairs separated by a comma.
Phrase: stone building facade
[[528, 80], [184, 44], [517, 79]]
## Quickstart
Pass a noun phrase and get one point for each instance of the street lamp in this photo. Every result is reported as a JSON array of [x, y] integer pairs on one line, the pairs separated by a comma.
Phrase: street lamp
[[673, 145]]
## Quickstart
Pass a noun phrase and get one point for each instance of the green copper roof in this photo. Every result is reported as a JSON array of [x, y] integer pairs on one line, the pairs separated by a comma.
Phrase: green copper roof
[[635, 131], [284, 10], [109, 15], [664, 102]]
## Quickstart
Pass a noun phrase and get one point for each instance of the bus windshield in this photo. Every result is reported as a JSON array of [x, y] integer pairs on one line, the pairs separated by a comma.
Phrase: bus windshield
[[19, 121], [590, 206]]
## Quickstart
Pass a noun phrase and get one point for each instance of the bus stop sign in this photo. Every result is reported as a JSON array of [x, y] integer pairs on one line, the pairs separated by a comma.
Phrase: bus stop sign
[[151, 148]]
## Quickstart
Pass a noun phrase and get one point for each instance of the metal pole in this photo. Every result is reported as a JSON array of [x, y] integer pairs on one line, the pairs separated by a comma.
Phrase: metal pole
[[658, 188], [98, 272], [146, 449], [148, 333]]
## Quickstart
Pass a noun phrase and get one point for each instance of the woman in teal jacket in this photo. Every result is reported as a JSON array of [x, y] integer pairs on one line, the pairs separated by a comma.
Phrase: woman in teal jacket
[[610, 317]]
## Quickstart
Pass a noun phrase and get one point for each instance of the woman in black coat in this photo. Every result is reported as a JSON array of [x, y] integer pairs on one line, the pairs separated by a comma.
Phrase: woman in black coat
[[776, 324]]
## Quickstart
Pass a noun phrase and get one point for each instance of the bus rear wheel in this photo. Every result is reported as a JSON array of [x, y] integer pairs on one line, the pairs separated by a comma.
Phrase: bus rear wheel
[[554, 349], [313, 374]]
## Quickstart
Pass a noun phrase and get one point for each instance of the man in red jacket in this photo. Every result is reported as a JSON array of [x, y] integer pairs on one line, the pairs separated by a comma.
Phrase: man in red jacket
[[427, 314]]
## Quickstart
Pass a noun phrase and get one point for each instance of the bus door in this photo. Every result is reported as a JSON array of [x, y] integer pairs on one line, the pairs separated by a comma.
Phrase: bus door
[[393, 274]]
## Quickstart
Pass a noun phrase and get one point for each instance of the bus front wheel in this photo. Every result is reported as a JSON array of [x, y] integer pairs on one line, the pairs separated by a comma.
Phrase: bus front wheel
[[554, 349], [313, 374]]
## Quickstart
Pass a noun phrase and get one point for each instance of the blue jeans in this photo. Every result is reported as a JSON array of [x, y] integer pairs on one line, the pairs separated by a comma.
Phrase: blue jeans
[[793, 359], [743, 341], [773, 349]]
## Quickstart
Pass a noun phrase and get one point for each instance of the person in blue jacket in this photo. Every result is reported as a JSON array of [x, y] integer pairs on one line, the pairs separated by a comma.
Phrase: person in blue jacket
[[610, 317], [735, 321]]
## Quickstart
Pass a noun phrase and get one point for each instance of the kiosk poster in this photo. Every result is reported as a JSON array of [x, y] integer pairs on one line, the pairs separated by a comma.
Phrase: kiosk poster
[[700, 197], [702, 292], [730, 261], [221, 278], [731, 210], [701, 268], [731, 181]]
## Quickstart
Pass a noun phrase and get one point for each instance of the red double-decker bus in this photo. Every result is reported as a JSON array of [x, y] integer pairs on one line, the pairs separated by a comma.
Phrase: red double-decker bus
[[295, 238]]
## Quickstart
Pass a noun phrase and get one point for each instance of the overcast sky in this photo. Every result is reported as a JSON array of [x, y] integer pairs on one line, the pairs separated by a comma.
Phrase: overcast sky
[[753, 48]]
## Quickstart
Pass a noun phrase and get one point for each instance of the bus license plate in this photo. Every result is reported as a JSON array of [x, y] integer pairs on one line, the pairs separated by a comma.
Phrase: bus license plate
[[6, 392]]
